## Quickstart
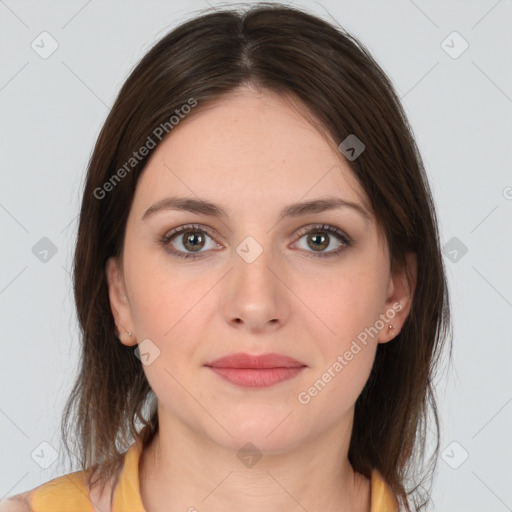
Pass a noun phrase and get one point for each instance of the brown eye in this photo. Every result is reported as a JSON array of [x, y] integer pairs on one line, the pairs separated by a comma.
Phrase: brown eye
[[320, 237], [193, 240], [184, 241], [318, 241]]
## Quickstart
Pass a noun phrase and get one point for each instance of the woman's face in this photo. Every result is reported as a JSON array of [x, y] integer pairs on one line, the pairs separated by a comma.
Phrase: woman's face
[[254, 281]]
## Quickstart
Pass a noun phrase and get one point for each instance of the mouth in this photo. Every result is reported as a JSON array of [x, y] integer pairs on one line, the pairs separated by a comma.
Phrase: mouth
[[256, 371]]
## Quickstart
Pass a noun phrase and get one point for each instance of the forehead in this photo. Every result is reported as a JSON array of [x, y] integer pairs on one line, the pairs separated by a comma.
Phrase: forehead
[[253, 144]]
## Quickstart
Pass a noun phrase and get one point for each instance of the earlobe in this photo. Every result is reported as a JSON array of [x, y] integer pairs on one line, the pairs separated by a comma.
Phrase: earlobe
[[119, 303], [399, 299]]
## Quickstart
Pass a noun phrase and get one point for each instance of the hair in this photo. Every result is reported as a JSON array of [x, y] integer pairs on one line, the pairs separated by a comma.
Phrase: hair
[[297, 55]]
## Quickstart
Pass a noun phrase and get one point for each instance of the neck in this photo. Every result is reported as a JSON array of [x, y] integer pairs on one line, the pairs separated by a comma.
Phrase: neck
[[180, 471]]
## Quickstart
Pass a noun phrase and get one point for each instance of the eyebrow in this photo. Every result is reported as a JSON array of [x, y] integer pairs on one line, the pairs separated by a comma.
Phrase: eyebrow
[[201, 206]]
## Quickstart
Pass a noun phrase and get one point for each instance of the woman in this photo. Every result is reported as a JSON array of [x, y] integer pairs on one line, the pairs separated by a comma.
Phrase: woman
[[258, 281]]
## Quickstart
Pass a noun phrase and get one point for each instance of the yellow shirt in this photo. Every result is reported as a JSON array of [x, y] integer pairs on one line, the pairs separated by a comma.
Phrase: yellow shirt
[[69, 493]]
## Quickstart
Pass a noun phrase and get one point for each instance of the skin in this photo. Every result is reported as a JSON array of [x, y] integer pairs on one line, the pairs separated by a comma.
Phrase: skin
[[253, 153]]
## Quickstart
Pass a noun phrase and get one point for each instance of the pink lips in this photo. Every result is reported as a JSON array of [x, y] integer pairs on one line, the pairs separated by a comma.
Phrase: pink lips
[[256, 371]]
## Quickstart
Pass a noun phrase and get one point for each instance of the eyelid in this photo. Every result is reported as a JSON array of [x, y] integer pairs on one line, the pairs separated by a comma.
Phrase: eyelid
[[343, 237], [212, 233], [330, 228]]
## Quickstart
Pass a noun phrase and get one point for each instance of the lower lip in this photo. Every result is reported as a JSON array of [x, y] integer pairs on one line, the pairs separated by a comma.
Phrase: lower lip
[[257, 378]]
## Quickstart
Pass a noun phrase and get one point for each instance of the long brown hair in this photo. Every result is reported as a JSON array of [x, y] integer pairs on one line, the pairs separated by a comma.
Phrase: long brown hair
[[333, 75]]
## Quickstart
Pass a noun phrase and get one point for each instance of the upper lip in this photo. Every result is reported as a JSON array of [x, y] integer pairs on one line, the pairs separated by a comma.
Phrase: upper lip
[[242, 360]]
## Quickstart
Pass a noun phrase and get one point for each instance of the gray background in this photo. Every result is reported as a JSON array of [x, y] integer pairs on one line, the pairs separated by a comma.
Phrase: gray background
[[460, 107]]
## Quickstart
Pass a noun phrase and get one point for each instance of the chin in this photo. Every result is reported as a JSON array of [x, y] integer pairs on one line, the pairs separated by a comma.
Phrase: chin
[[268, 434]]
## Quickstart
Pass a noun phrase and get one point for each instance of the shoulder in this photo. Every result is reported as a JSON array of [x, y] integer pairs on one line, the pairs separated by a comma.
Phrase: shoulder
[[68, 491], [16, 503], [71, 492]]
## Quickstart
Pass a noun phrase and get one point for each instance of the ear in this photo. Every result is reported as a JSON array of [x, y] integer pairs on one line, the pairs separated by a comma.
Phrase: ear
[[402, 284], [119, 302]]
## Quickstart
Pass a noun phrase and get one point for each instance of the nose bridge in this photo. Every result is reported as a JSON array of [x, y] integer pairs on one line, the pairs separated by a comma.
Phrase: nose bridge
[[253, 288], [252, 261]]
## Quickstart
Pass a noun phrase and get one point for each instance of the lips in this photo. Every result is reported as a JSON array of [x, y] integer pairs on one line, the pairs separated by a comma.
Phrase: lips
[[256, 371], [247, 361]]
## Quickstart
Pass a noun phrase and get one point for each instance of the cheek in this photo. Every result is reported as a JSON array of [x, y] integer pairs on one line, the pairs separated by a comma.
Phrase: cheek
[[159, 297], [169, 307], [169, 312], [347, 303], [334, 383]]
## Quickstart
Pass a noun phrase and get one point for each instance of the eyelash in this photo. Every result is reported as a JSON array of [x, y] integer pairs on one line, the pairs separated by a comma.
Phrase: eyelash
[[332, 230]]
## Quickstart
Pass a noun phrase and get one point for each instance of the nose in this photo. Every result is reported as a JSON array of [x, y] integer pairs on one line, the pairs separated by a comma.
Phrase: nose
[[255, 297]]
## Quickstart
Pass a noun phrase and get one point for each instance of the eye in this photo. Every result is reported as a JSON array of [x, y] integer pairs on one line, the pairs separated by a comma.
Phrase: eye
[[319, 237], [191, 238], [188, 241]]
